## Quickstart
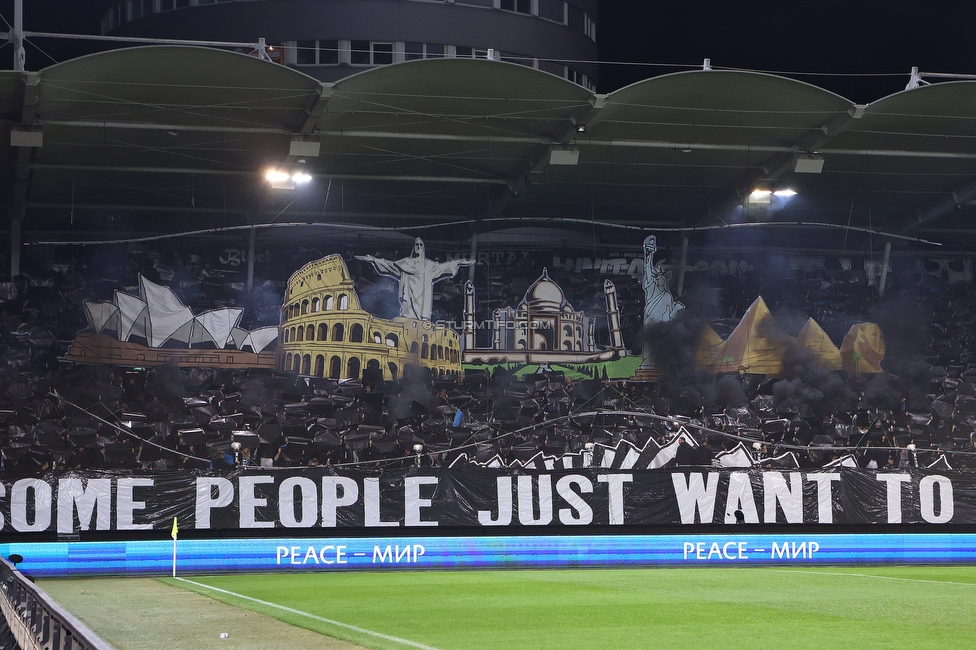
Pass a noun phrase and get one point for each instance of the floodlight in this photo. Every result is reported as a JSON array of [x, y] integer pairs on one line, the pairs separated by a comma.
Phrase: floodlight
[[786, 192], [285, 178], [276, 176]]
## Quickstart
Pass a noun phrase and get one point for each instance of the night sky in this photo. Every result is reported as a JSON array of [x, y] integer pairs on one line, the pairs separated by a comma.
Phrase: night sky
[[877, 42], [860, 37]]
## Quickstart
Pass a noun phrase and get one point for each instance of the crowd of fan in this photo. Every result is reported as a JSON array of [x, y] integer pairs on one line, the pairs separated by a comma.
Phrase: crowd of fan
[[60, 416], [167, 418]]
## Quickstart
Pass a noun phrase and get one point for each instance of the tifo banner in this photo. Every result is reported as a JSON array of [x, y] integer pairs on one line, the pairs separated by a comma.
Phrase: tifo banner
[[74, 502]]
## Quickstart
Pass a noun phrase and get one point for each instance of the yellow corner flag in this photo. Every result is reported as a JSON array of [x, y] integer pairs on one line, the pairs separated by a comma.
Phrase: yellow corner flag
[[176, 529]]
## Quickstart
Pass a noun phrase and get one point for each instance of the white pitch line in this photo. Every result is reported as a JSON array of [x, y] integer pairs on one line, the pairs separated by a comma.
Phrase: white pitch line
[[380, 635], [868, 575]]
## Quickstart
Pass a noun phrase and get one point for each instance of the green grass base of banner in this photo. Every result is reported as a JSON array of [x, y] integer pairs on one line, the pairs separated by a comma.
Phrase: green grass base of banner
[[759, 608], [620, 369]]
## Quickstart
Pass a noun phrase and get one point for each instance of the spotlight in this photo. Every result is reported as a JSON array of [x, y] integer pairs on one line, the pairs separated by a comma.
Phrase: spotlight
[[786, 192], [760, 196], [282, 178]]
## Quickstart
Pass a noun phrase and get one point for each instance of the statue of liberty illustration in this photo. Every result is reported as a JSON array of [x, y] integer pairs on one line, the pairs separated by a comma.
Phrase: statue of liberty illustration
[[659, 305]]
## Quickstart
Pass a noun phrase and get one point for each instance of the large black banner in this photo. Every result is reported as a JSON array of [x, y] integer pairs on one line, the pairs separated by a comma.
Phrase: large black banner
[[72, 502]]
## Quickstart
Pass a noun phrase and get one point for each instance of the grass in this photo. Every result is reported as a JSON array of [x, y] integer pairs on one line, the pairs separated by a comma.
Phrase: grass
[[145, 614], [865, 607], [619, 369]]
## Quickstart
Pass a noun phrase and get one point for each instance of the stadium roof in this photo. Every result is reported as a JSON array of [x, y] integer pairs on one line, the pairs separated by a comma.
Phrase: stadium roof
[[158, 140]]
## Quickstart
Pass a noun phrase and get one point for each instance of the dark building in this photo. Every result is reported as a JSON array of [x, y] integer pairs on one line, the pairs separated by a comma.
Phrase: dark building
[[331, 39]]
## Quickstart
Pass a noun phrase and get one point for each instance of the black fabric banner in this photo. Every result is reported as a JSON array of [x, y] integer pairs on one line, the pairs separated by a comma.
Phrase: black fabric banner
[[72, 502]]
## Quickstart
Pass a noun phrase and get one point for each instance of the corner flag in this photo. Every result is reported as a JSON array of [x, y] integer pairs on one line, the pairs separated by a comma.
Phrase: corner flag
[[176, 529]]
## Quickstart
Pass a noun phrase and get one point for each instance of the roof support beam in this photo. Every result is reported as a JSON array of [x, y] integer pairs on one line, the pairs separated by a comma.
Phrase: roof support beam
[[17, 207], [480, 180], [538, 157], [580, 139], [155, 126], [939, 207], [584, 141], [777, 164], [317, 109]]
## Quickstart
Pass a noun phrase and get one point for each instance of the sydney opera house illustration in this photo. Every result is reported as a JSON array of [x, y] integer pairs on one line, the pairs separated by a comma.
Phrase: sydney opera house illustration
[[155, 327]]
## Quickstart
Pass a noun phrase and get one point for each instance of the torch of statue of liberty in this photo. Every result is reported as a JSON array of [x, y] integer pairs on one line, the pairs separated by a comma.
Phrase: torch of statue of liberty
[[659, 305], [416, 275]]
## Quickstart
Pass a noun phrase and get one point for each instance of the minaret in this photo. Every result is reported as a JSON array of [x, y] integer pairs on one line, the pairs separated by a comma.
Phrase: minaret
[[499, 330], [467, 342], [613, 317]]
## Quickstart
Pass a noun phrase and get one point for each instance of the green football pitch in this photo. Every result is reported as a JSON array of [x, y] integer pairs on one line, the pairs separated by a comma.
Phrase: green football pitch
[[814, 607]]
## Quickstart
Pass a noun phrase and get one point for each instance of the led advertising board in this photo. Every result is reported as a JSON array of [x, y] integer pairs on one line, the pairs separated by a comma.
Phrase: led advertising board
[[545, 551]]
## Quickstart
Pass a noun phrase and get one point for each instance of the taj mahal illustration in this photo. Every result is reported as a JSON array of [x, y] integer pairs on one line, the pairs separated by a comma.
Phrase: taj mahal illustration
[[543, 328]]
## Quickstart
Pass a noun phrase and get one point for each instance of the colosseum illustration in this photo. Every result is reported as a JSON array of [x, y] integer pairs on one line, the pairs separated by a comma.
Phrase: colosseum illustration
[[325, 332]]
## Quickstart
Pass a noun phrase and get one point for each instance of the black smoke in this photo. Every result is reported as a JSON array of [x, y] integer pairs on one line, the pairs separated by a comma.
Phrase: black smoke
[[907, 329], [415, 389], [379, 296], [807, 387], [674, 345], [167, 383]]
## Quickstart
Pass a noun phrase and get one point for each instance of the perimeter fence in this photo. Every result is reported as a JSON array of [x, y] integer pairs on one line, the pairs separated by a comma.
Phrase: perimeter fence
[[33, 621]]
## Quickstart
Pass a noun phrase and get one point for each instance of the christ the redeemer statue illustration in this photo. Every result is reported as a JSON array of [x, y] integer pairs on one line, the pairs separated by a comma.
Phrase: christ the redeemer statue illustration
[[416, 275]]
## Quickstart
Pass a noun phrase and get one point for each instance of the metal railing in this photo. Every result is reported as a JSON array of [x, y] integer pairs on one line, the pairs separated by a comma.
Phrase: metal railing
[[36, 621]]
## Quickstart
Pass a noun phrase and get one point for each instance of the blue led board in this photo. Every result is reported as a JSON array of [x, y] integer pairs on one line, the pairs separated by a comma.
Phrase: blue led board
[[384, 553]]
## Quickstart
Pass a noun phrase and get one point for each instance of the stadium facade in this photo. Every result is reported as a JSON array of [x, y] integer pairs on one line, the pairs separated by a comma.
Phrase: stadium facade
[[332, 39]]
